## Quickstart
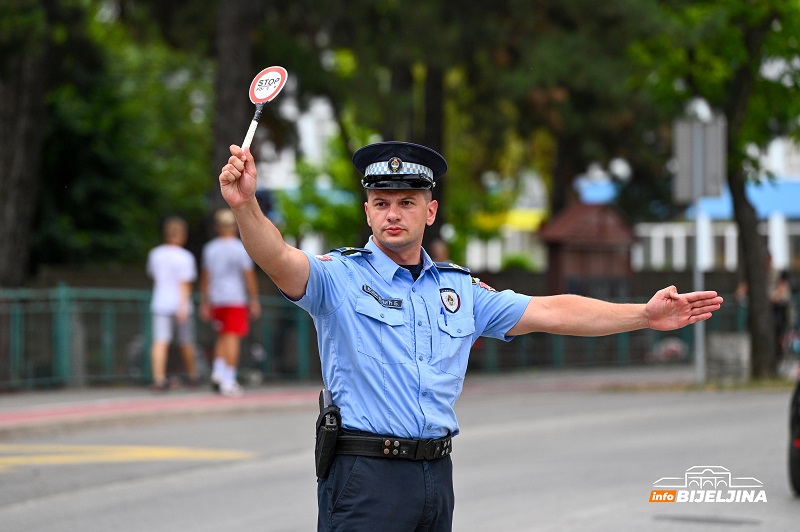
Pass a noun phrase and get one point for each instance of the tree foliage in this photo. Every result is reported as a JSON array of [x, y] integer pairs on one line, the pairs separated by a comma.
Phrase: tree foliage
[[143, 98], [128, 139], [742, 57]]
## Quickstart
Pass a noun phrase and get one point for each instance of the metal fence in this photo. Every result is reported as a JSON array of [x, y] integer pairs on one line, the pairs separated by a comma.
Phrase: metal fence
[[79, 336]]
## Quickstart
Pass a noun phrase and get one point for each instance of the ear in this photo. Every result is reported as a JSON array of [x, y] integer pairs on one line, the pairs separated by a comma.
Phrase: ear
[[433, 207], [366, 212]]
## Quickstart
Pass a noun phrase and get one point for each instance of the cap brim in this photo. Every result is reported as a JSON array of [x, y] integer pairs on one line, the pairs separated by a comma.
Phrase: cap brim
[[398, 184]]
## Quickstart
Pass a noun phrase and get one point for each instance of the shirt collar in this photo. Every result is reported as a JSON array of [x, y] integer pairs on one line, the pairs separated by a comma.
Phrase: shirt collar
[[387, 268]]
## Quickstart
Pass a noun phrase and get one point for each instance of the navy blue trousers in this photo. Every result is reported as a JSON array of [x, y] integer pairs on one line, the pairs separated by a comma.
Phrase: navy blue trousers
[[368, 494]]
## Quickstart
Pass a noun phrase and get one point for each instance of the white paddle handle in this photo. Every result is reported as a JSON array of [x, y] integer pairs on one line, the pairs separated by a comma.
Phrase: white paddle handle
[[250, 132]]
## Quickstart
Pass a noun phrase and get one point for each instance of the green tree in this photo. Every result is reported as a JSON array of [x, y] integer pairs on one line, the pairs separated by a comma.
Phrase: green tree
[[741, 56], [129, 121], [332, 209]]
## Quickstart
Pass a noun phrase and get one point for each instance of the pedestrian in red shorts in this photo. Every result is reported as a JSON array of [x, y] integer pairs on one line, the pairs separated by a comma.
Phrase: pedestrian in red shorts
[[229, 297]]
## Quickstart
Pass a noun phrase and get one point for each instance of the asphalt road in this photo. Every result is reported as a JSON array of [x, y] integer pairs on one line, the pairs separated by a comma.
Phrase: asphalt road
[[526, 460]]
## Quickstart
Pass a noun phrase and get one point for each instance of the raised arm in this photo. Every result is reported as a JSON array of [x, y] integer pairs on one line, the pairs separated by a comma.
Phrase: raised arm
[[582, 316], [287, 266]]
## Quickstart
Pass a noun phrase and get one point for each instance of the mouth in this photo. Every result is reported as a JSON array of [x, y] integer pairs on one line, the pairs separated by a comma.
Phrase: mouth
[[393, 230]]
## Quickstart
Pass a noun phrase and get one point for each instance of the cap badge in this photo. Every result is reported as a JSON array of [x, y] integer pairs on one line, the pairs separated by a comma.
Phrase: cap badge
[[395, 164]]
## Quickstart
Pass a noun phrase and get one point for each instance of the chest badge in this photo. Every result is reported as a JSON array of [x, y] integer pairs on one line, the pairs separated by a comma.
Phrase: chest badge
[[450, 299]]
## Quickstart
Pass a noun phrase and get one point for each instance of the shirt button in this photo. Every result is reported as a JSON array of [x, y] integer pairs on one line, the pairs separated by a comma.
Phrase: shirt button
[[419, 323], [420, 359], [430, 426], [413, 289], [382, 316], [425, 393], [459, 330]]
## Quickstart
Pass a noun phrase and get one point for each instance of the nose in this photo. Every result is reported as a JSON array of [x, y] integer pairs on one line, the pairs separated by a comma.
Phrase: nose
[[394, 212]]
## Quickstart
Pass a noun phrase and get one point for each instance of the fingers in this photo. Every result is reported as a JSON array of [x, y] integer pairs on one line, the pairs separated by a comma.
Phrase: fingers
[[672, 291], [229, 174], [706, 307], [249, 162], [698, 296], [241, 161], [669, 292], [237, 152], [699, 317], [235, 167]]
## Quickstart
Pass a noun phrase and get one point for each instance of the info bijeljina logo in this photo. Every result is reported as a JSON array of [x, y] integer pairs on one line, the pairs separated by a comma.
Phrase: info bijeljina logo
[[708, 484]]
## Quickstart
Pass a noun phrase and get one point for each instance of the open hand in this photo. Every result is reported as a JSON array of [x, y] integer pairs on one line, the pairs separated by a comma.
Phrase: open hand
[[668, 310]]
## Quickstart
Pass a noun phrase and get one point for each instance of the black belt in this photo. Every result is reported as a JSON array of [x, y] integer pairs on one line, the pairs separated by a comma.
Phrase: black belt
[[392, 447]]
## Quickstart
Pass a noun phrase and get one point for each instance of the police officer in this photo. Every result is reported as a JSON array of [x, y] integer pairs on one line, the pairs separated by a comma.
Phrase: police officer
[[395, 331]]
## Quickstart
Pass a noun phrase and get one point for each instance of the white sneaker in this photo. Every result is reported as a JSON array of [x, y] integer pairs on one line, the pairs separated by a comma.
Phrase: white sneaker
[[216, 381], [231, 389]]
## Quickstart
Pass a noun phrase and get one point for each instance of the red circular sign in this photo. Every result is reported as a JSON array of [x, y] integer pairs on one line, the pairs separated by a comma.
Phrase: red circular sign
[[267, 84]]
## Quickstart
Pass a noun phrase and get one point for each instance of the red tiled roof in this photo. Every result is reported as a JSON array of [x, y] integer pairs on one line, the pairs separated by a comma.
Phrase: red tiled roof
[[588, 224]]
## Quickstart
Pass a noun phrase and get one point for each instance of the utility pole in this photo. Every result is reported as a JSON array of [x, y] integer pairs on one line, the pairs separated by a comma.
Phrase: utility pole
[[699, 148]]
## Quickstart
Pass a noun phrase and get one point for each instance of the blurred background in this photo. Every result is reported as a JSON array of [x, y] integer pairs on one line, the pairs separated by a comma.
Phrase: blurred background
[[607, 149]]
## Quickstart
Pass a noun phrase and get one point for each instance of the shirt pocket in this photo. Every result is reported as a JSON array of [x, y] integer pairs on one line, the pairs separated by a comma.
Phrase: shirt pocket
[[456, 341], [380, 331]]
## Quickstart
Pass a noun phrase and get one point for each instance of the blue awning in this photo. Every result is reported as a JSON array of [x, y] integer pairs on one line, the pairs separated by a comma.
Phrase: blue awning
[[767, 198]]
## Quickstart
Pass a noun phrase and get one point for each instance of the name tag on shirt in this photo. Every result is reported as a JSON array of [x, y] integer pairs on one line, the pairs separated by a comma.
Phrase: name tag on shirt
[[386, 302]]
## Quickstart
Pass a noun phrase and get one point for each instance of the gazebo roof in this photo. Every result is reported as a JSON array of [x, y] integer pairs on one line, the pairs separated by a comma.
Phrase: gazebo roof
[[593, 225]]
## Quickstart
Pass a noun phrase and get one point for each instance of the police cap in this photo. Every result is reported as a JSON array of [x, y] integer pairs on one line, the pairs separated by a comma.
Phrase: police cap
[[399, 165]]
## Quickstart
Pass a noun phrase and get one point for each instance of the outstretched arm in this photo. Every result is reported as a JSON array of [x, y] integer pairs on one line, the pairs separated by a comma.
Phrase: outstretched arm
[[582, 316], [287, 266]]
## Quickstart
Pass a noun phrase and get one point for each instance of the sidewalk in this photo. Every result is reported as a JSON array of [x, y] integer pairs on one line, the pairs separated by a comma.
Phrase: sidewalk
[[36, 411], [40, 410]]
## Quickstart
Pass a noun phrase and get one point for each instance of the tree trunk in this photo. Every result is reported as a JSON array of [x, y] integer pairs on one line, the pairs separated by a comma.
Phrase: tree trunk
[[759, 315], [567, 168], [23, 77], [433, 137], [232, 108], [398, 118], [760, 321]]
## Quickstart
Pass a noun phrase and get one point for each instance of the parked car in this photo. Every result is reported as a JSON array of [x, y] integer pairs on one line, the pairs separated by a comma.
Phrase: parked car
[[794, 438]]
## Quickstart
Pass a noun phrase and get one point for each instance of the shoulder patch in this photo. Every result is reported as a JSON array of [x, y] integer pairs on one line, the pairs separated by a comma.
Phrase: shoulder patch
[[483, 285], [451, 266], [351, 251]]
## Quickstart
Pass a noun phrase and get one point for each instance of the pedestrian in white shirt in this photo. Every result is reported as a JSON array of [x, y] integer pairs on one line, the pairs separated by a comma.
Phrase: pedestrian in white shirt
[[173, 270], [229, 298]]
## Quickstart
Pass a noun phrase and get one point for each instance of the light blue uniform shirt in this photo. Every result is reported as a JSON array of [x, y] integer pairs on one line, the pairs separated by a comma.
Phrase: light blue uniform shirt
[[394, 352]]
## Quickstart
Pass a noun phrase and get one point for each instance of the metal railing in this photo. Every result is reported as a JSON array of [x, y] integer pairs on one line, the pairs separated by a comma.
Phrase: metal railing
[[77, 336]]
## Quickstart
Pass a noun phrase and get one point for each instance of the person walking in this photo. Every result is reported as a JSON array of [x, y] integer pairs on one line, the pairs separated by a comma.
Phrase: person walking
[[394, 333], [173, 270], [229, 297], [779, 290]]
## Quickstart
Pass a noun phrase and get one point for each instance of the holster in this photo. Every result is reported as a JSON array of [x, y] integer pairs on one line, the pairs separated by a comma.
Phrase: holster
[[328, 424]]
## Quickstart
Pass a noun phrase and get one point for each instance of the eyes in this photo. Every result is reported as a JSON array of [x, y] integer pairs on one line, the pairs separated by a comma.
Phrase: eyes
[[385, 204]]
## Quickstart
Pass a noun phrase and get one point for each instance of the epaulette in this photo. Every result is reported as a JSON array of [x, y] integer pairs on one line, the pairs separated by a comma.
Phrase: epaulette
[[452, 267], [350, 251]]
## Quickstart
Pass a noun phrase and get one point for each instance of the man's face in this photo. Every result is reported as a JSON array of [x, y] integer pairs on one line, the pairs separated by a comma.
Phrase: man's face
[[398, 217]]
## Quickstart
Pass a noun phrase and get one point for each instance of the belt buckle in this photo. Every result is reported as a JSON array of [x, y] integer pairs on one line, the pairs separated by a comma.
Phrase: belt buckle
[[422, 450], [429, 449]]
